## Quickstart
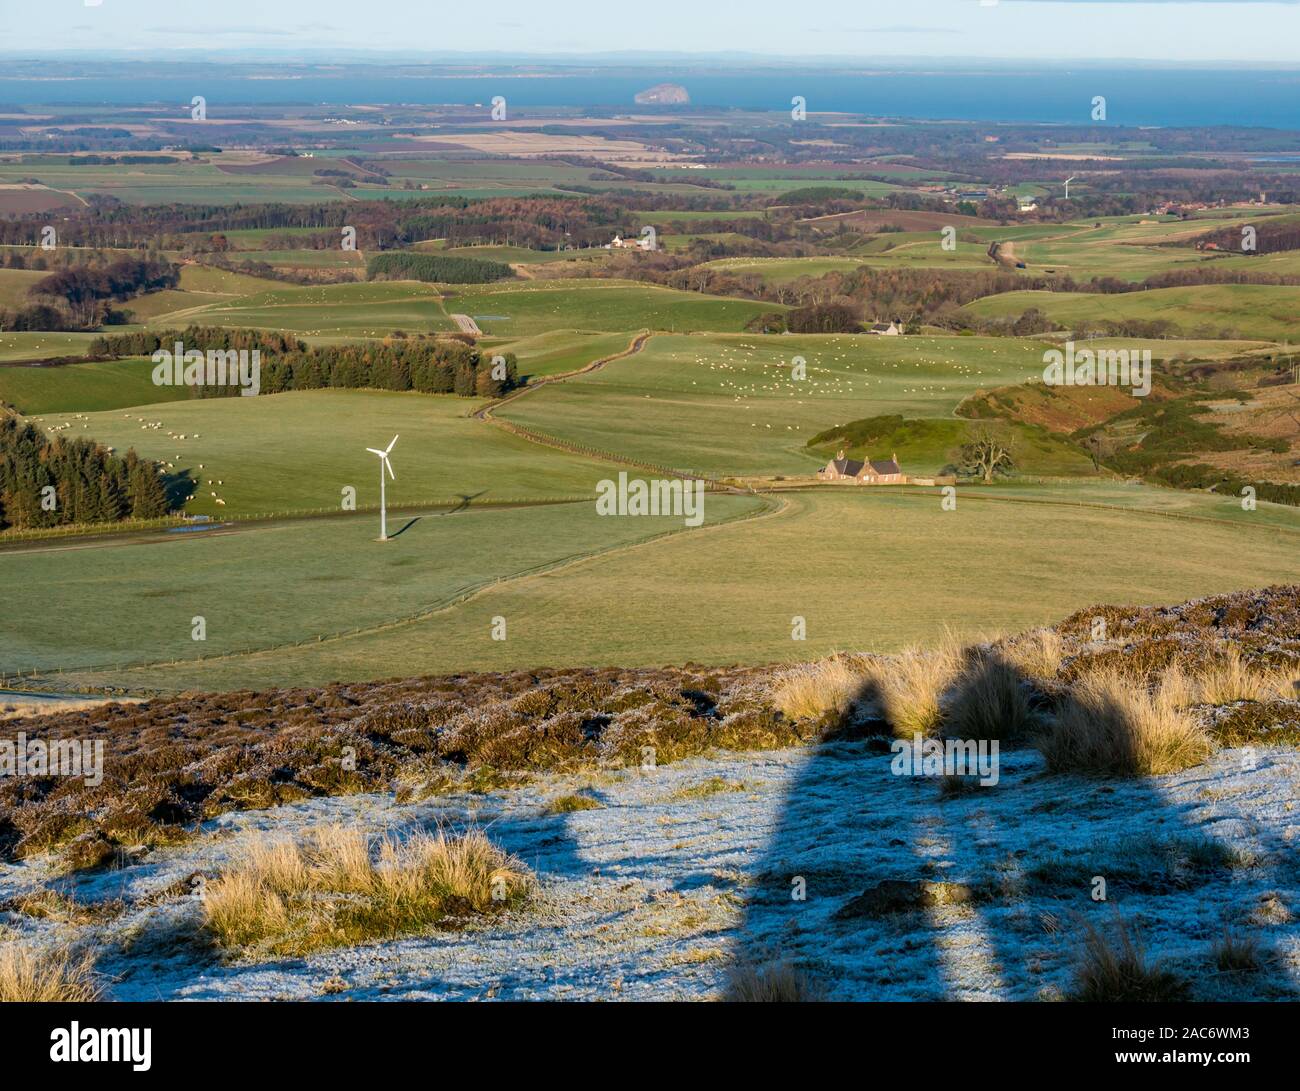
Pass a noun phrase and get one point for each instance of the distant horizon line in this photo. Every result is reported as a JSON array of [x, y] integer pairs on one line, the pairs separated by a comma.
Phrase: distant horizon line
[[552, 59]]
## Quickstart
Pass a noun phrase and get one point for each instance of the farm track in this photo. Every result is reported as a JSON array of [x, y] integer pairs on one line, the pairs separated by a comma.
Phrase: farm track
[[543, 440]]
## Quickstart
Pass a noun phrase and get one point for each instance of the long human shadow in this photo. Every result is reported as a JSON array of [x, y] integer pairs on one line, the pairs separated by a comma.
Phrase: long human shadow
[[903, 887]]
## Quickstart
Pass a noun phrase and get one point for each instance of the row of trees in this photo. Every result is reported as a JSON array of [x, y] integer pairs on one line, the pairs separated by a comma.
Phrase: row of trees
[[544, 222], [146, 342], [430, 366], [47, 482], [446, 268]]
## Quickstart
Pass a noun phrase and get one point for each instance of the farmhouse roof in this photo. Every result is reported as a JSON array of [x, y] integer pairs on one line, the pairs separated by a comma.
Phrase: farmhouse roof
[[850, 467], [888, 467]]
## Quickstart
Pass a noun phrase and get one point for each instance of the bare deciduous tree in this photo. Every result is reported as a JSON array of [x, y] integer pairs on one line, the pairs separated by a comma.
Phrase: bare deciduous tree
[[988, 453]]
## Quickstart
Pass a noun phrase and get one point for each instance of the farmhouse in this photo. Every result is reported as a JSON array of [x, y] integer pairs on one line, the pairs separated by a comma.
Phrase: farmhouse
[[887, 329], [863, 473], [620, 243]]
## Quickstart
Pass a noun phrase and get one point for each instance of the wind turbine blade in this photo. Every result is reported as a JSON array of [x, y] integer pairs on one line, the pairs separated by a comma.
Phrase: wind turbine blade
[[390, 446], [374, 452], [390, 469]]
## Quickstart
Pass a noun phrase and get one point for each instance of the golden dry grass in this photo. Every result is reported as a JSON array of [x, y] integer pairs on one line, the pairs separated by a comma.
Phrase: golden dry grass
[[14, 708], [812, 690], [909, 687], [333, 889], [37, 975], [1036, 654], [771, 983], [1112, 723], [989, 701], [567, 804], [1230, 678]]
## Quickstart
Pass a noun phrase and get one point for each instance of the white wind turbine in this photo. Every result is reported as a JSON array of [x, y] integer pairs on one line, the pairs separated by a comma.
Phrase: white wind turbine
[[1067, 185], [384, 464]]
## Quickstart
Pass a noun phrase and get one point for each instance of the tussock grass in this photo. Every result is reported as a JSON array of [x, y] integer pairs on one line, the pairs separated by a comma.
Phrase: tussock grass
[[334, 889], [711, 787], [37, 975], [574, 802], [771, 983], [1038, 654], [1230, 678], [1114, 969], [1113, 724], [989, 702], [1236, 952], [909, 687], [811, 690]]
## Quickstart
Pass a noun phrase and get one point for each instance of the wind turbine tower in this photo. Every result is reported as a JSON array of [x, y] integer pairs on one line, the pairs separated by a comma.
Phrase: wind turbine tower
[[1067, 185], [384, 464]]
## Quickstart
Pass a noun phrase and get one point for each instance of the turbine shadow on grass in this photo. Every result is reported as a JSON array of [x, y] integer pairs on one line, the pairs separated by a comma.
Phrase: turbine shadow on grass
[[465, 499]]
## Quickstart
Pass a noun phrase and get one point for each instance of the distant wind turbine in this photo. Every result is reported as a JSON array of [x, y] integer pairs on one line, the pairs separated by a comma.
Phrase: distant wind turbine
[[384, 464], [1067, 185]]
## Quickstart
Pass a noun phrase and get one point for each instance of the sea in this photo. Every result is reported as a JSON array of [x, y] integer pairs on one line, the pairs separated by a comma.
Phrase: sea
[[1134, 95]]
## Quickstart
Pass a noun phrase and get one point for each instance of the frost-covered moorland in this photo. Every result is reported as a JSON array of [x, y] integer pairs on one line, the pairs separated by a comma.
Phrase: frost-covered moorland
[[684, 834]]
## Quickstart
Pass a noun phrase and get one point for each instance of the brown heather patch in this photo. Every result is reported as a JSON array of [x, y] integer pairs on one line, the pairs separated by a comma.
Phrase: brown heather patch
[[1263, 723], [1142, 660], [1257, 616], [170, 763]]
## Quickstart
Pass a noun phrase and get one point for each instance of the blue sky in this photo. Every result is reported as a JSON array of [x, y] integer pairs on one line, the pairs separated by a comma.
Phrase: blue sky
[[1073, 30]]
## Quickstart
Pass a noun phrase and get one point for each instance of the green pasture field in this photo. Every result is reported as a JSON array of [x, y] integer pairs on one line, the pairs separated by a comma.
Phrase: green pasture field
[[357, 310], [521, 255], [727, 404], [200, 286], [1256, 310], [513, 309], [757, 180], [1139, 496], [513, 171], [308, 259], [251, 238], [37, 345], [867, 568], [659, 216], [778, 271], [84, 388], [920, 250], [296, 451], [269, 584], [1173, 349], [683, 242], [522, 308], [185, 182], [558, 351], [14, 284]]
